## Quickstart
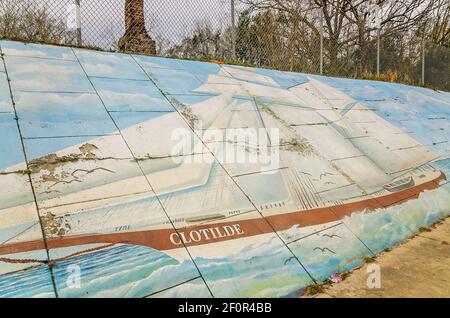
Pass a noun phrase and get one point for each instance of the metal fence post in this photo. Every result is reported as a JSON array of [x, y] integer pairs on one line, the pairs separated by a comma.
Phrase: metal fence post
[[233, 31], [423, 59], [378, 52], [321, 41], [78, 20]]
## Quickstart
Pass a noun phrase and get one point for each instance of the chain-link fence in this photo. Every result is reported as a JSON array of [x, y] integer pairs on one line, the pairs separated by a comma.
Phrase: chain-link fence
[[312, 36]]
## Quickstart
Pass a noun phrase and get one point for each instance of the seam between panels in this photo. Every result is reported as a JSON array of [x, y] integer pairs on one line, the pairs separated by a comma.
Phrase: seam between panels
[[44, 238], [143, 173], [234, 181]]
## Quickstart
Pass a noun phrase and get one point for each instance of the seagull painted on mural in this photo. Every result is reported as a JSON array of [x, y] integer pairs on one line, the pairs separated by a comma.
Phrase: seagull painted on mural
[[289, 259], [324, 174], [323, 250], [331, 236]]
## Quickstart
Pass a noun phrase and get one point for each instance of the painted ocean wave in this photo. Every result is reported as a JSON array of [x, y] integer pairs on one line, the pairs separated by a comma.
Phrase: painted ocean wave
[[33, 282], [129, 271]]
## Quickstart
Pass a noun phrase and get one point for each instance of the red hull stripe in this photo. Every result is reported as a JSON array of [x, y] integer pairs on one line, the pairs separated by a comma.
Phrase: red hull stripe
[[168, 239]]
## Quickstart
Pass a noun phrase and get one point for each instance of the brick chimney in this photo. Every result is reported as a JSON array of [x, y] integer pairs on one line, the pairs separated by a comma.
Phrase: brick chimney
[[136, 38]]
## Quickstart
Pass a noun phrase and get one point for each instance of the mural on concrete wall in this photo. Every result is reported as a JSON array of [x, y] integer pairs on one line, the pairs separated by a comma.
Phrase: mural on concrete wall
[[99, 199]]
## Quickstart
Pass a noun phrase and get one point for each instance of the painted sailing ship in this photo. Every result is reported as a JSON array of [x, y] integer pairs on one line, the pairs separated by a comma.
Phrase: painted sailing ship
[[337, 157]]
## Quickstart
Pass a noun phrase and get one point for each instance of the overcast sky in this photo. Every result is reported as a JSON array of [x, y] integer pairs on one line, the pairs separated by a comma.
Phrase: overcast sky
[[102, 20]]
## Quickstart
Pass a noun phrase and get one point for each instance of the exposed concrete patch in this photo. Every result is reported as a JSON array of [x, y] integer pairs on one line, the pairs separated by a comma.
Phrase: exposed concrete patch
[[23, 172], [416, 268], [50, 163], [294, 144], [186, 112], [54, 226], [87, 150]]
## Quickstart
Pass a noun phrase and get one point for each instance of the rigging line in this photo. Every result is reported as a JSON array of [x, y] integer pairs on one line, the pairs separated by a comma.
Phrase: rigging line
[[20, 233]]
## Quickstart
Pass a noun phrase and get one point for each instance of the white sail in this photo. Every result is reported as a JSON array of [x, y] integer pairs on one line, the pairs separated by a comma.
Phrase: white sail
[[386, 145]]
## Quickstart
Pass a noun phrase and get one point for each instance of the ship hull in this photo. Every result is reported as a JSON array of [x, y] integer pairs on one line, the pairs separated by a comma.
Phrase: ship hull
[[169, 239]]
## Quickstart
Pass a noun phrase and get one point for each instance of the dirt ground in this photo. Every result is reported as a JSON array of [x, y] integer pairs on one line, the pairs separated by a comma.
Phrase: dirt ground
[[419, 267]]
